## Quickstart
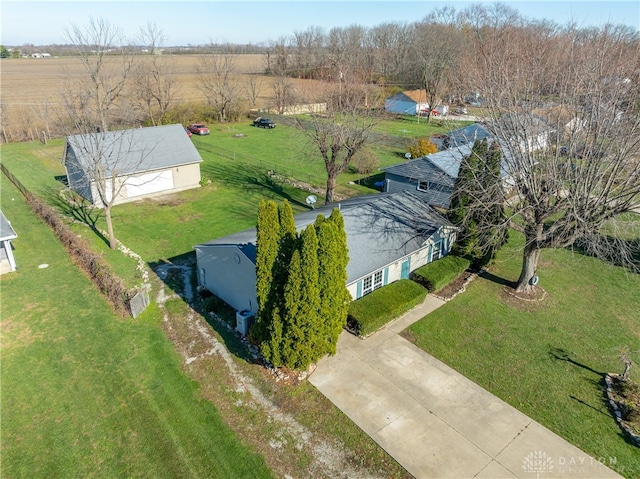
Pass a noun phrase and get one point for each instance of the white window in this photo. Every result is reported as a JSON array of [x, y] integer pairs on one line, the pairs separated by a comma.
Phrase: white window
[[423, 186], [372, 282], [437, 251]]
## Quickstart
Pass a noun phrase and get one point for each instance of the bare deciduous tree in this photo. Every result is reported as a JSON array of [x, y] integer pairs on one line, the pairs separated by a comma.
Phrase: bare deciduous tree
[[155, 84], [253, 87], [96, 158], [340, 134], [571, 182], [218, 82], [283, 94], [436, 42], [96, 96]]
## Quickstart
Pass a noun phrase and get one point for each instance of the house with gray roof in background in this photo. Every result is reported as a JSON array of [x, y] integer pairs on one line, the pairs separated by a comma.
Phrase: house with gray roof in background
[[433, 176], [388, 237], [143, 162], [7, 233]]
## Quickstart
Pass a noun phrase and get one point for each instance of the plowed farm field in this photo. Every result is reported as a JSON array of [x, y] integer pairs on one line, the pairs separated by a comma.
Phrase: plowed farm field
[[31, 88]]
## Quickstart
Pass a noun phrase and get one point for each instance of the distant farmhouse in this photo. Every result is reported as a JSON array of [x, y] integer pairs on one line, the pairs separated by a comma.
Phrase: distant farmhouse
[[145, 162], [410, 102], [7, 233], [388, 236]]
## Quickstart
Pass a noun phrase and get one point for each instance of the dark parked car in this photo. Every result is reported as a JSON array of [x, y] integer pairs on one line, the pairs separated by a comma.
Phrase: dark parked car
[[198, 129], [263, 123]]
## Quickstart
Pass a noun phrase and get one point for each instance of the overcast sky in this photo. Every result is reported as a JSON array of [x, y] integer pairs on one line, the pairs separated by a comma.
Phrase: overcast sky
[[205, 21]]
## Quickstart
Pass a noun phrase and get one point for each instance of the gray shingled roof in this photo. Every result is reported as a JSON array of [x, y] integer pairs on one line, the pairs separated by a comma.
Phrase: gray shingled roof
[[6, 230], [136, 150], [381, 229], [468, 134], [441, 167]]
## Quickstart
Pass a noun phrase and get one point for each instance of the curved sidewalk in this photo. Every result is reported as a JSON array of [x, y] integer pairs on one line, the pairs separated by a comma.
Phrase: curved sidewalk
[[435, 422]]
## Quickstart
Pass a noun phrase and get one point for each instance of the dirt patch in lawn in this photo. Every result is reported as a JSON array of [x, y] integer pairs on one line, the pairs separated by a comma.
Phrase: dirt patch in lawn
[[524, 301]]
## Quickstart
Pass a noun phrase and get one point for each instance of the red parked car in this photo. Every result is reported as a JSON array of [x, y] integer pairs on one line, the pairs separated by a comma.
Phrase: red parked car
[[198, 129]]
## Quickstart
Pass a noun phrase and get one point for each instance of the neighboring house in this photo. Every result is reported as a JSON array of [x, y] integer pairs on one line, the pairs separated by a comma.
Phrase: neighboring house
[[410, 102], [144, 161], [7, 261], [525, 132], [466, 135], [388, 236], [432, 176]]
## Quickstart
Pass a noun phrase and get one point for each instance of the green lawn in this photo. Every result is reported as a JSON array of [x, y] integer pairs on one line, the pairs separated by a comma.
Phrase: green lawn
[[170, 226], [547, 359], [413, 127], [87, 394]]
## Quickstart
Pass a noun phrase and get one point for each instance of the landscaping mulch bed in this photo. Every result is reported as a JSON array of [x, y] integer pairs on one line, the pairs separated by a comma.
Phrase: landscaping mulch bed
[[624, 401], [456, 286]]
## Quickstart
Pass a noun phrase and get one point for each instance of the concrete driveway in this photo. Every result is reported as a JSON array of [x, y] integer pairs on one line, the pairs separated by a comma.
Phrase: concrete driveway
[[435, 422]]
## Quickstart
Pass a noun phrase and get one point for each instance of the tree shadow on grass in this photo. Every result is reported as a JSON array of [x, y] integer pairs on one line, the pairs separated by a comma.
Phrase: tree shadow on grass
[[178, 274], [484, 274], [616, 251], [77, 208], [563, 355], [249, 176]]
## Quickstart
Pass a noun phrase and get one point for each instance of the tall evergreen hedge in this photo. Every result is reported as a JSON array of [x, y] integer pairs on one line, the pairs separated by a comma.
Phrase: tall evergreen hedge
[[300, 285]]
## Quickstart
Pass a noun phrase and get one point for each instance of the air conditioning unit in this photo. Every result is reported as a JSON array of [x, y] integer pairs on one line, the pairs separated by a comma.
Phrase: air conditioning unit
[[244, 321]]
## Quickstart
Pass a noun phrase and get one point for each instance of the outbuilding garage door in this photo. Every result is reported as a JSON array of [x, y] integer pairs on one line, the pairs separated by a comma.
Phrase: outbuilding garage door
[[149, 183]]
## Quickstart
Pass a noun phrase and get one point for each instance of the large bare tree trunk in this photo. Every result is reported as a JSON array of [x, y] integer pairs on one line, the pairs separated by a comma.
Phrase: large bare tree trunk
[[112, 236], [331, 186], [530, 258]]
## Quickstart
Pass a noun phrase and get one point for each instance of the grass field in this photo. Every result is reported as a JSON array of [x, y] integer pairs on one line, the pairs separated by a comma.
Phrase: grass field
[[547, 359], [86, 394], [237, 168], [98, 360]]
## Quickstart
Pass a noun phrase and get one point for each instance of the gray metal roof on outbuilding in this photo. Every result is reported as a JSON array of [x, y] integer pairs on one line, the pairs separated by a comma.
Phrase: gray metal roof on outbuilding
[[135, 150]]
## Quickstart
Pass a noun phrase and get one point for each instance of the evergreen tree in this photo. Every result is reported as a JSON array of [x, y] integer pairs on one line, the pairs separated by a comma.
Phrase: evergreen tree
[[301, 301], [300, 285], [332, 278], [267, 246], [478, 177]]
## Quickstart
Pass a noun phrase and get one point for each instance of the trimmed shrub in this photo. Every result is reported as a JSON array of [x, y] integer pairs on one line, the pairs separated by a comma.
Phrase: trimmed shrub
[[435, 276], [373, 311]]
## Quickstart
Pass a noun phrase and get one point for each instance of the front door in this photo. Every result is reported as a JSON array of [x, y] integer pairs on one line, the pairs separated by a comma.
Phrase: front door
[[404, 272]]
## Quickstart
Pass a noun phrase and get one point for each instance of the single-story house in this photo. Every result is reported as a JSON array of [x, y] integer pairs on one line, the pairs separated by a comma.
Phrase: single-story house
[[7, 233], [388, 236], [410, 102], [432, 176], [132, 164]]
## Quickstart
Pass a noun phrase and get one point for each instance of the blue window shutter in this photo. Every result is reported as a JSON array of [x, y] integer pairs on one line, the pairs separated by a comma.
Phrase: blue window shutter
[[430, 254], [385, 279], [359, 289]]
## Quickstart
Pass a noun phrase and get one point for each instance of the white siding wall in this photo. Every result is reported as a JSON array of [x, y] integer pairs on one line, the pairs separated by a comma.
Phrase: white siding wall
[[417, 259]]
